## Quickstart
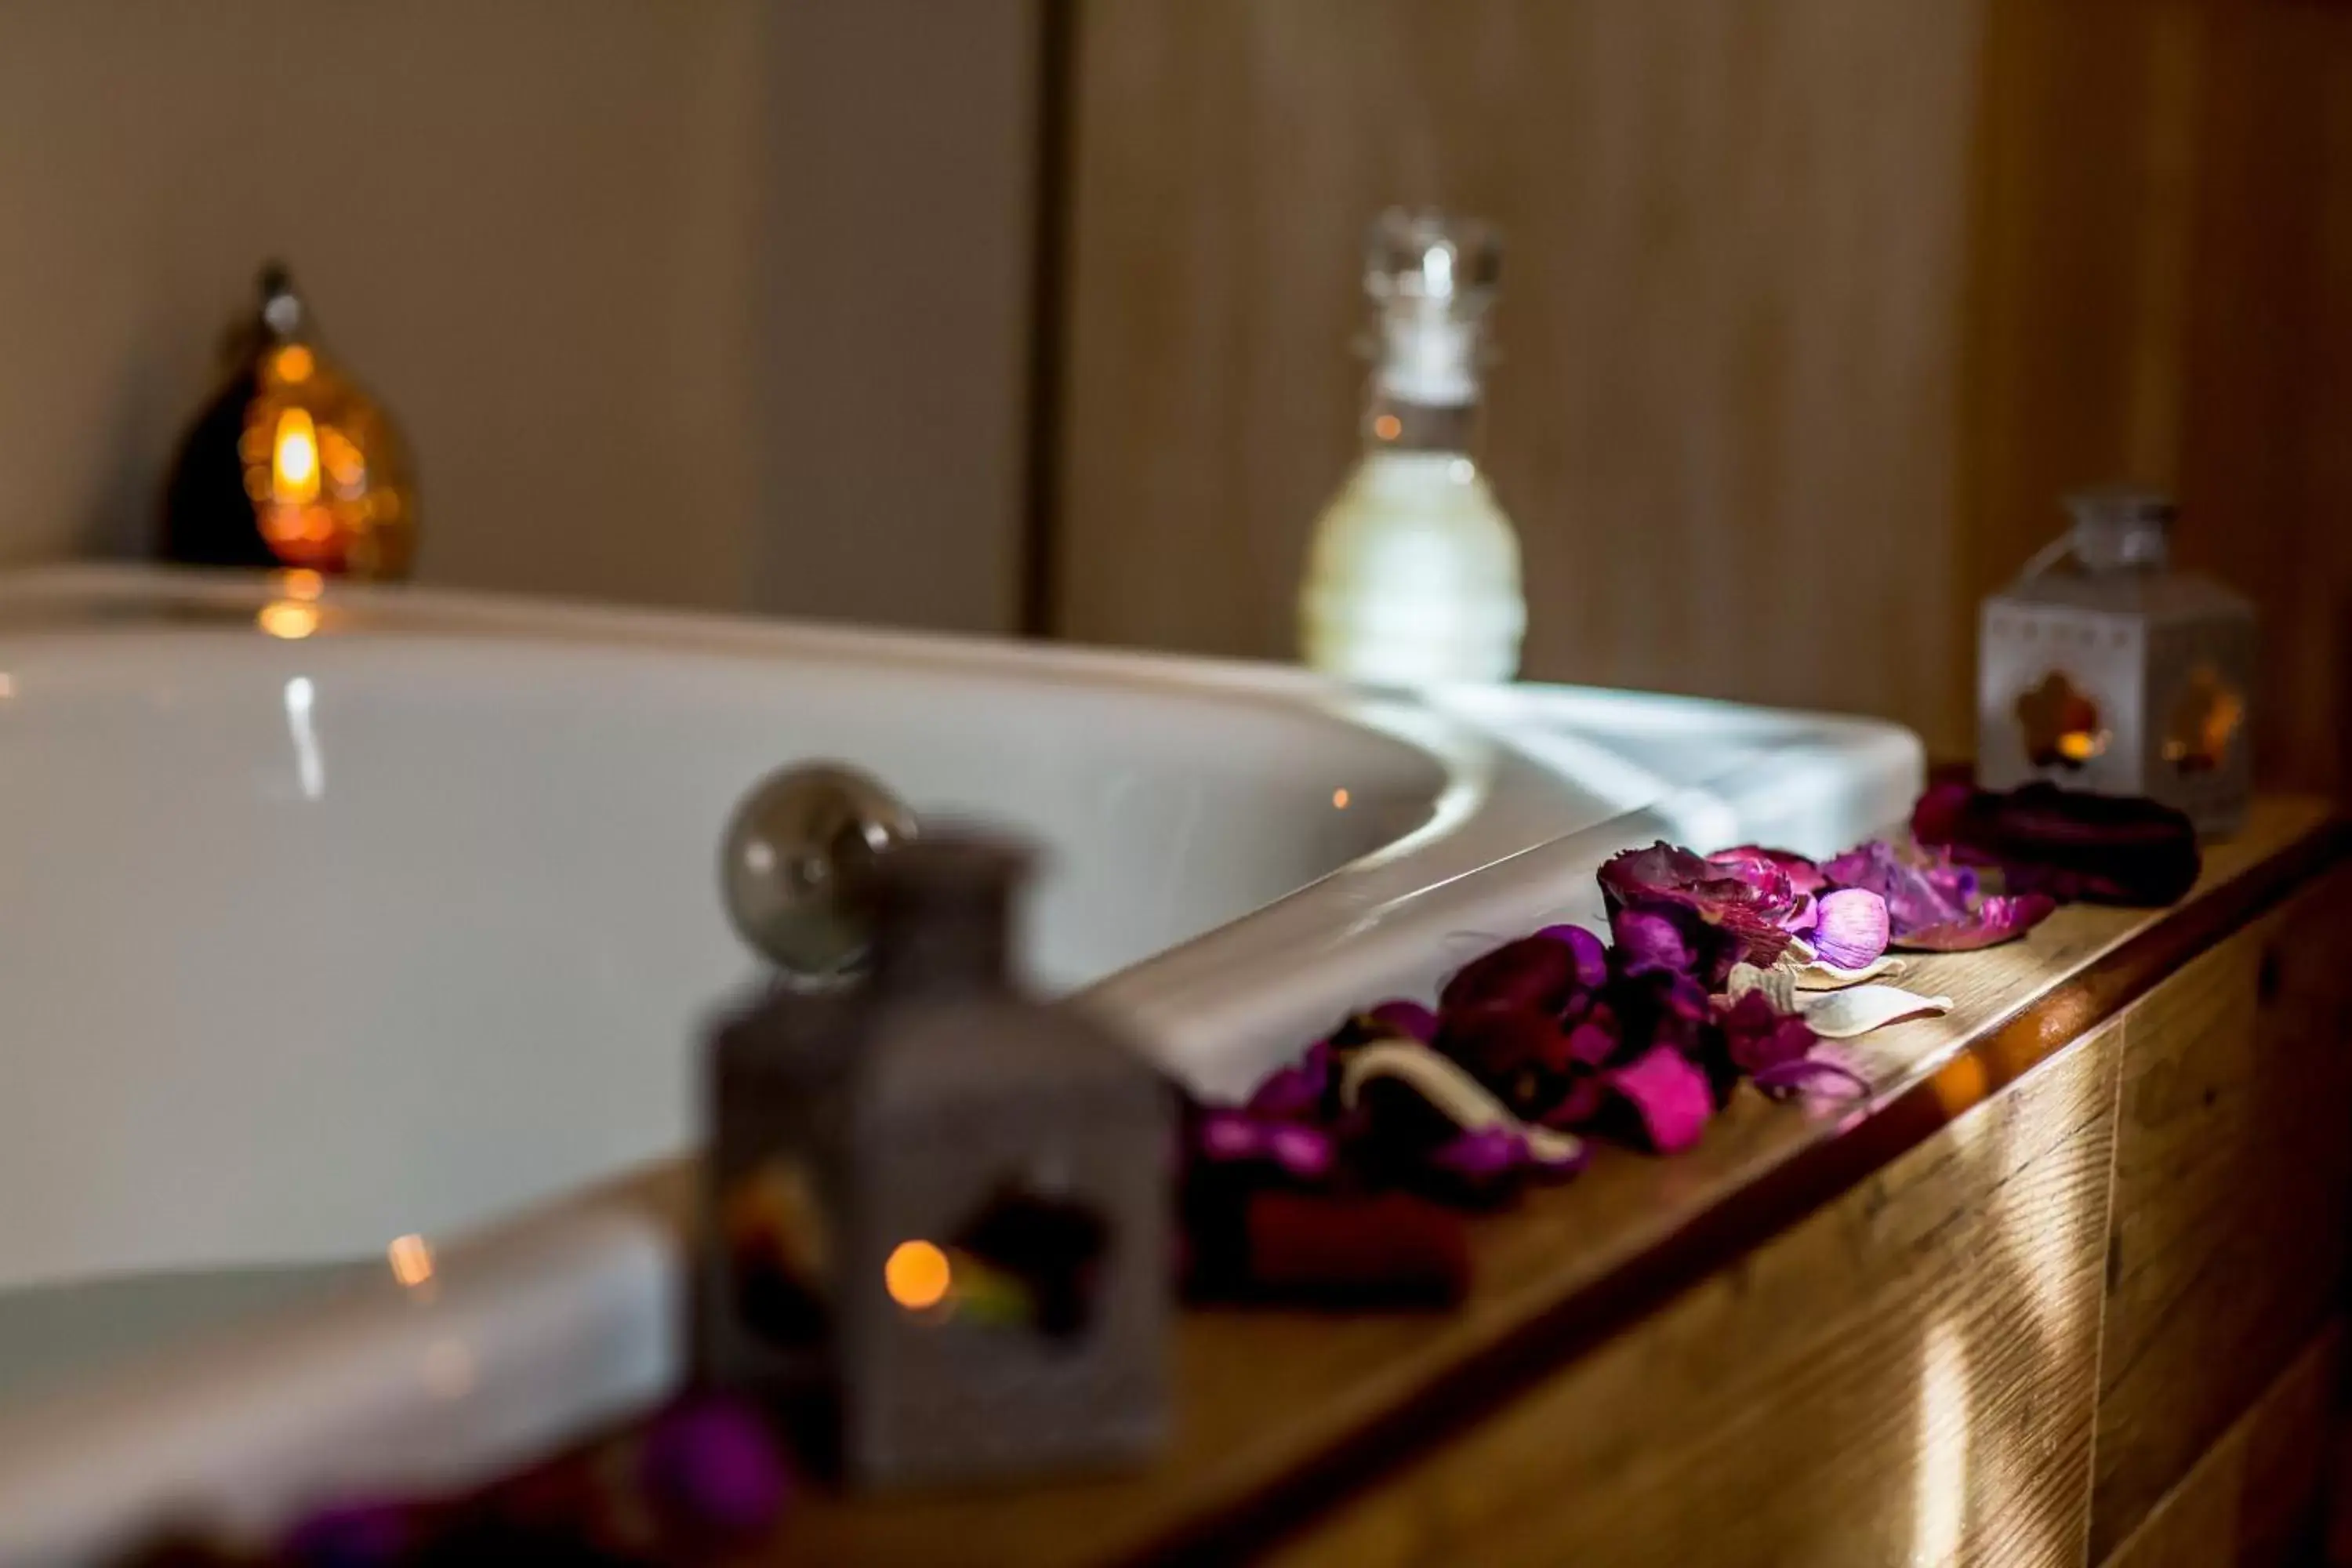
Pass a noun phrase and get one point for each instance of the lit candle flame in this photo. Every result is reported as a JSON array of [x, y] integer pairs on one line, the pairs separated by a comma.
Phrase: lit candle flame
[[294, 460]]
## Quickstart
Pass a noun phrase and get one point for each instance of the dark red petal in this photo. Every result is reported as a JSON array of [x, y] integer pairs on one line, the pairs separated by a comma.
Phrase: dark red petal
[[1533, 972]]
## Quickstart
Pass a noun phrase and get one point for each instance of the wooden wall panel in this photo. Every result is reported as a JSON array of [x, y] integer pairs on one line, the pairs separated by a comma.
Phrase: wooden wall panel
[[1907, 1376], [2253, 1499], [1726, 415], [2233, 1153], [1811, 312], [2164, 292]]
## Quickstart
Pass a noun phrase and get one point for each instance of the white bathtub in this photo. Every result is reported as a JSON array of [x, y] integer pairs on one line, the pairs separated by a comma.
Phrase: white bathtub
[[391, 913]]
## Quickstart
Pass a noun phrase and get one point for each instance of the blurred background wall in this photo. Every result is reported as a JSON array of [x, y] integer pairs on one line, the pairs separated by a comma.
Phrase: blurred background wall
[[693, 301], [1035, 313]]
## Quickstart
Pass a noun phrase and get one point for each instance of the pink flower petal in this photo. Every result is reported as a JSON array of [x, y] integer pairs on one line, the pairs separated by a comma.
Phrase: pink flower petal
[[1669, 1094]]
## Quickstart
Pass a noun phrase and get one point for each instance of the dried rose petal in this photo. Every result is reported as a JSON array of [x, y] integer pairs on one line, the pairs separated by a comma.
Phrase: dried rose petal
[[1481, 1158], [1230, 1136], [1648, 939], [1531, 972], [1758, 1036], [714, 1465], [1913, 896], [1803, 875], [1587, 1097], [1659, 1008], [1932, 904], [1852, 930], [1746, 899], [1995, 920], [1668, 1094], [1804, 917], [1299, 1092], [1813, 1075], [1593, 1042], [1591, 954], [1410, 1019], [1236, 1137], [1305, 1153]]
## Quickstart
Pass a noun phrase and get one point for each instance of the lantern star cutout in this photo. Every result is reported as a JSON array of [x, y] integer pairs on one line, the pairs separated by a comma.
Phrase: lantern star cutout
[[2062, 724], [2204, 719]]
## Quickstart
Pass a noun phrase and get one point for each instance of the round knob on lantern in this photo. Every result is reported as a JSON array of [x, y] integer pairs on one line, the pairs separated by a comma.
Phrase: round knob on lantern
[[796, 864]]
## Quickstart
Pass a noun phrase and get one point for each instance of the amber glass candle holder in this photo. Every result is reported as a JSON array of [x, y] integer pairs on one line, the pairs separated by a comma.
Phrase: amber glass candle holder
[[292, 465]]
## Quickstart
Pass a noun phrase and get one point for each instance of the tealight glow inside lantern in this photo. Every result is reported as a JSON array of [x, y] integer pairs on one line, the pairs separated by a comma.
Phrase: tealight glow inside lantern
[[2110, 671]]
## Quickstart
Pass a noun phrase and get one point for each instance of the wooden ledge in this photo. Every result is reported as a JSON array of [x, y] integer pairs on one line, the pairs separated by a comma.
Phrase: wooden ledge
[[1281, 1413]]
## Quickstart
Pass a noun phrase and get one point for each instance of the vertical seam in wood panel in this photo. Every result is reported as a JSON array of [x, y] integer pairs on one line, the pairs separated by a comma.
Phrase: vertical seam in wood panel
[[2120, 1055], [1049, 241]]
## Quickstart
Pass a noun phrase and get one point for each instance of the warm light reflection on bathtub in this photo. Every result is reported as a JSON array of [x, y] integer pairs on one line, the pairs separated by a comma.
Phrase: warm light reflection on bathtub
[[449, 1369], [410, 1259], [289, 618], [1339, 799], [1940, 1515]]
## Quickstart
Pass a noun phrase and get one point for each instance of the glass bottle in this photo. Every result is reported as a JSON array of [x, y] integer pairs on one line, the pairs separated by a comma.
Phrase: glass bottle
[[1413, 574]]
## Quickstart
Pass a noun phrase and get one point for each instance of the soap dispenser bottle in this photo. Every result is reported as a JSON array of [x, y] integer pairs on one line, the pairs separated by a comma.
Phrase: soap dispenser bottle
[[1412, 578]]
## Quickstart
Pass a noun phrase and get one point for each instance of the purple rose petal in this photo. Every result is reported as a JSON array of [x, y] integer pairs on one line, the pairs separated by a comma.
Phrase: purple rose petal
[[1758, 1036], [1305, 1153], [1994, 921], [1746, 899], [1934, 905], [1803, 875], [1483, 1155], [1853, 928], [1230, 1136], [1813, 1075], [1595, 1040], [1649, 940], [714, 1465], [1590, 954]]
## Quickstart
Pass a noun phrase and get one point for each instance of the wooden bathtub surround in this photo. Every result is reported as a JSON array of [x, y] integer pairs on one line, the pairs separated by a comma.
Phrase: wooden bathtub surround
[[2064, 1297]]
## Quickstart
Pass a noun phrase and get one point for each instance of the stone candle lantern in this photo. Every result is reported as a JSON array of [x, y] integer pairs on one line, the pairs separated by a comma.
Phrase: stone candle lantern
[[938, 1208], [2103, 670]]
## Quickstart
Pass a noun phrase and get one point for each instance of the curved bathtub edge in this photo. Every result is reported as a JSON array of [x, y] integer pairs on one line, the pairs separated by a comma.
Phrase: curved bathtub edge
[[526, 1335]]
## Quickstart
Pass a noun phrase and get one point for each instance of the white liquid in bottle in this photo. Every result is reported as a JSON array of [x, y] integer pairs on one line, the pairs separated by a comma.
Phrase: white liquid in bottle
[[1414, 575]]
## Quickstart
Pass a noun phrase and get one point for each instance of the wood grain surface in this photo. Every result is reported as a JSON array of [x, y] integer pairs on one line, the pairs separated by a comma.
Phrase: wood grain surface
[[1907, 1376], [2252, 1500], [2233, 1162], [1280, 1413]]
